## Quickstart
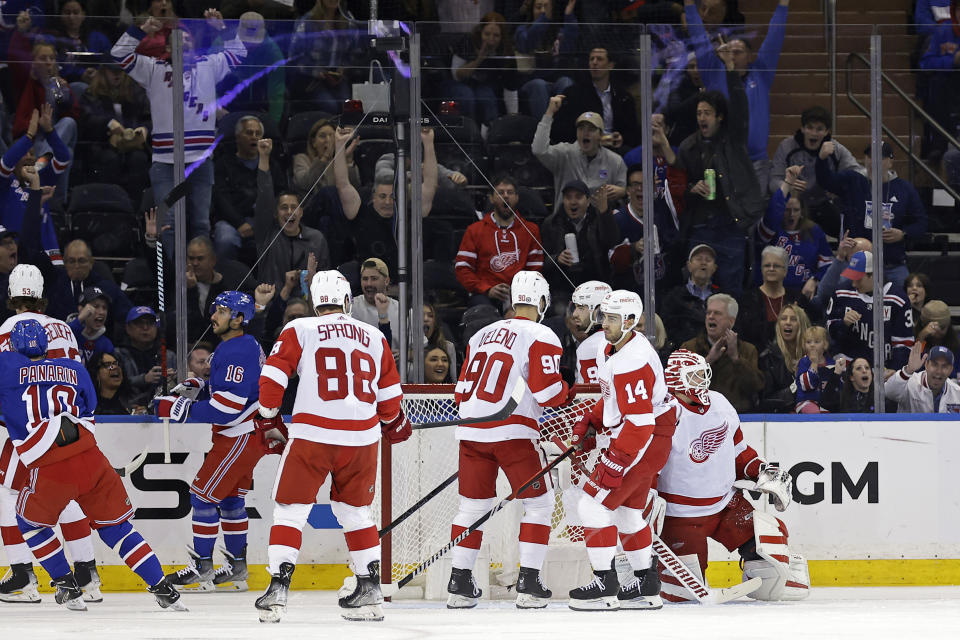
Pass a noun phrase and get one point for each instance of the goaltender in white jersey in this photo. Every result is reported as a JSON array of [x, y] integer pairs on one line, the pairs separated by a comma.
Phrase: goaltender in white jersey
[[697, 482], [497, 356]]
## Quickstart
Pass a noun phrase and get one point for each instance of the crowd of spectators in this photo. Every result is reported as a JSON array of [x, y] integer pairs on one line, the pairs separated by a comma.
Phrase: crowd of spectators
[[762, 263]]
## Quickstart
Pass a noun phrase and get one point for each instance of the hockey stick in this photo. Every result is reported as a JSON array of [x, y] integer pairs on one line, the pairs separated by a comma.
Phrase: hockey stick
[[422, 501], [515, 396], [680, 571], [161, 310], [391, 589], [134, 464]]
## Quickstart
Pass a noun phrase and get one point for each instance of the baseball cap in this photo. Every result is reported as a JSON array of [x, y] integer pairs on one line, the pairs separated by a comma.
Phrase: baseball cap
[[940, 351], [885, 149], [861, 263], [138, 312], [6, 233], [378, 264], [701, 247], [92, 293], [251, 29], [592, 117], [579, 185]]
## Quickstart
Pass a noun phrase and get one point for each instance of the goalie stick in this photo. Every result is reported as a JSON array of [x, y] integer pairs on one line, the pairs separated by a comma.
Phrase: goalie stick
[[515, 397], [390, 589], [680, 571]]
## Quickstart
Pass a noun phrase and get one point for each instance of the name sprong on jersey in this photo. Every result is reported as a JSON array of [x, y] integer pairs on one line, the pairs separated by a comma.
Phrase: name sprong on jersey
[[343, 330]]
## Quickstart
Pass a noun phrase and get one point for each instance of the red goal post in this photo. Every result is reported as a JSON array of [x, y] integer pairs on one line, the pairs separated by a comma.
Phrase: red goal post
[[414, 468]]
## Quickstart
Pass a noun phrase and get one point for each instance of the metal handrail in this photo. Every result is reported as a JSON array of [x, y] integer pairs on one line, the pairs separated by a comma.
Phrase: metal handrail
[[915, 109], [830, 35]]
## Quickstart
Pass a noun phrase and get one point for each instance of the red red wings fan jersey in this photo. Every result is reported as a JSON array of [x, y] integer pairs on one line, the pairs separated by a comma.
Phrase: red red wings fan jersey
[[490, 254]]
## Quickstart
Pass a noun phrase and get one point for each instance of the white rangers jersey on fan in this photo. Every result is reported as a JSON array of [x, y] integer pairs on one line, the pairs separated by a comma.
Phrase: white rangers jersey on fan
[[200, 80], [497, 356], [633, 391], [348, 379], [587, 357], [61, 341], [708, 454]]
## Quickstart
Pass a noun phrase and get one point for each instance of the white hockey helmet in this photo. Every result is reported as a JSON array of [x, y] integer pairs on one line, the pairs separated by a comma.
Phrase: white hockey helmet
[[530, 287], [330, 287], [688, 373], [26, 281], [590, 294], [624, 304]]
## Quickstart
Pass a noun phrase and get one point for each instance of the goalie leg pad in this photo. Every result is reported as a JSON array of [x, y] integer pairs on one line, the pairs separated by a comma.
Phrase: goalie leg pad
[[671, 589], [784, 573], [464, 555]]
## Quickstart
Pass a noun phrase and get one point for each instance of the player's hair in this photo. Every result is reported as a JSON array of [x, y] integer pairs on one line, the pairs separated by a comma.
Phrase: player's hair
[[247, 118], [792, 352], [733, 307], [35, 305], [816, 113]]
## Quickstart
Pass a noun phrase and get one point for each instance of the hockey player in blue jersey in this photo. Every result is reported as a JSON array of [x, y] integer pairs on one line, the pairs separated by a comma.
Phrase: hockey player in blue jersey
[[48, 405], [230, 404], [850, 316]]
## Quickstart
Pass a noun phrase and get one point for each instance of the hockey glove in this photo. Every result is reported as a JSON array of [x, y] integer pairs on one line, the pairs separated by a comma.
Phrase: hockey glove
[[655, 511], [189, 388], [398, 429], [778, 483], [585, 433], [611, 465], [273, 432], [174, 408], [571, 394]]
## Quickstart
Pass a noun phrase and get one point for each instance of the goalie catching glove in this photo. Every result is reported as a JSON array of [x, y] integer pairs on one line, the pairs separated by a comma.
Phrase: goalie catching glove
[[189, 388], [398, 429], [272, 430], [776, 482], [175, 408]]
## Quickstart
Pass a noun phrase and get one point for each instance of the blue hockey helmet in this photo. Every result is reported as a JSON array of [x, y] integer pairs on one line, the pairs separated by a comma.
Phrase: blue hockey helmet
[[238, 303], [29, 338]]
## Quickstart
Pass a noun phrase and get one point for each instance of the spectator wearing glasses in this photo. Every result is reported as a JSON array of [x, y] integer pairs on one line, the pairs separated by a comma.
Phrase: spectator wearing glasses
[[113, 390]]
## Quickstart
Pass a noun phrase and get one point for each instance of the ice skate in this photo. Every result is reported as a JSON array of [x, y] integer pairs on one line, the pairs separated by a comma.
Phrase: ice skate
[[89, 580], [273, 603], [531, 592], [600, 594], [19, 584], [643, 592], [199, 572], [364, 603], [69, 593], [167, 596], [233, 575], [463, 590]]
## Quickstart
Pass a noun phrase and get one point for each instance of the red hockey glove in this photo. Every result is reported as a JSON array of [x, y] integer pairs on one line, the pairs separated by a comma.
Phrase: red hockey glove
[[571, 394], [273, 432], [174, 408], [611, 465], [398, 429], [585, 433]]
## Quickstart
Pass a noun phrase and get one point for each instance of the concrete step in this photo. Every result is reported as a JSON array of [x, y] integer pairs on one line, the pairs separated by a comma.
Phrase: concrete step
[[850, 125], [784, 103]]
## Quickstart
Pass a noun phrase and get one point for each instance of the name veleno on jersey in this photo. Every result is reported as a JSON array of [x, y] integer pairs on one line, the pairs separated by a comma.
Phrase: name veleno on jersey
[[349, 331], [47, 373], [501, 336]]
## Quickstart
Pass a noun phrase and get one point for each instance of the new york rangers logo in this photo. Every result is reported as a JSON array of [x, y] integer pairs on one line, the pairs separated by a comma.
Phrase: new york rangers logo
[[708, 442]]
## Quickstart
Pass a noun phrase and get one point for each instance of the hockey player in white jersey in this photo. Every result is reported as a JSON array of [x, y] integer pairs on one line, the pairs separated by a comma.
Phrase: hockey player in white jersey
[[496, 357], [636, 416], [349, 394], [708, 455], [25, 299], [586, 301]]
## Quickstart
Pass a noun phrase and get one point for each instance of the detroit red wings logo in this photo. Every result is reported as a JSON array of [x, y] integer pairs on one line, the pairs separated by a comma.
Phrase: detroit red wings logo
[[708, 442]]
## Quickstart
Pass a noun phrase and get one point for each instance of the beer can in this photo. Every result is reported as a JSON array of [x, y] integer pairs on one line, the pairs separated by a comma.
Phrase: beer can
[[570, 242], [710, 178]]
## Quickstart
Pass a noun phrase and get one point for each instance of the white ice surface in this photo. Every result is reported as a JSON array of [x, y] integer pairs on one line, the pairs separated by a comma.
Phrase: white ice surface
[[901, 613]]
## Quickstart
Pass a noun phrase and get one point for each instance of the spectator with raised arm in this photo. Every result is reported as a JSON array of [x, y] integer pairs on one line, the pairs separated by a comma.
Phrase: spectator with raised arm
[[801, 150], [586, 159], [621, 130], [721, 217], [757, 72], [311, 169], [855, 394], [544, 49], [371, 224], [259, 84], [496, 247], [935, 328], [284, 243], [923, 384], [903, 212]]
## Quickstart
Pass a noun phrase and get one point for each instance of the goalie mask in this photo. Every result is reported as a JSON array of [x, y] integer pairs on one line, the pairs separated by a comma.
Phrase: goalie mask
[[688, 373], [529, 287], [590, 294], [330, 287]]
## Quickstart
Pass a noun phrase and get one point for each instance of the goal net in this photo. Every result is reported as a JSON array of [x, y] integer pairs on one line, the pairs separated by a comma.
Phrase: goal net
[[413, 469]]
